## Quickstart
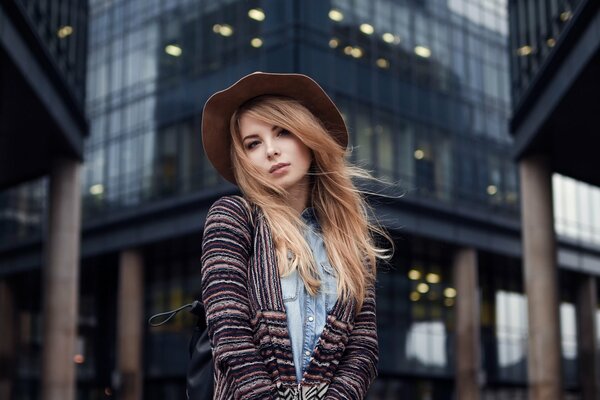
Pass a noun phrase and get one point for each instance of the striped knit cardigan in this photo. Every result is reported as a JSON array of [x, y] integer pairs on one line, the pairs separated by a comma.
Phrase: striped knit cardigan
[[247, 325]]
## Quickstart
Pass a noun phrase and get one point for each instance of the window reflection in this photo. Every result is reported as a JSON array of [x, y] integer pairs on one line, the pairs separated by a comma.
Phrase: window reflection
[[415, 316], [576, 209], [511, 329], [568, 331], [426, 343]]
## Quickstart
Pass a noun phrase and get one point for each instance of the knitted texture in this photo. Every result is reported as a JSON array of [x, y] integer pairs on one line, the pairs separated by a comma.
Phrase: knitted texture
[[247, 325]]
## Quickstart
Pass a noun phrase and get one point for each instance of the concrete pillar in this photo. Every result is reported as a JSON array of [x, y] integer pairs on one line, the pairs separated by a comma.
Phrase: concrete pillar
[[587, 300], [540, 278], [61, 282], [467, 324], [130, 322], [7, 339]]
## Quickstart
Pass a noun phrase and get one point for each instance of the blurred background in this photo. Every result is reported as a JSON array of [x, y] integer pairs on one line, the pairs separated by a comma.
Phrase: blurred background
[[104, 185]]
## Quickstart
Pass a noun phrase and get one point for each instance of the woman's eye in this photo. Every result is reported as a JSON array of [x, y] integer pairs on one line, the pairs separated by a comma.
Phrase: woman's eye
[[252, 144], [283, 132]]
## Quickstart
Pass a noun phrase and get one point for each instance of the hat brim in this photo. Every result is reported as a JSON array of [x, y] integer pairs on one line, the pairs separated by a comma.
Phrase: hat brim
[[219, 108]]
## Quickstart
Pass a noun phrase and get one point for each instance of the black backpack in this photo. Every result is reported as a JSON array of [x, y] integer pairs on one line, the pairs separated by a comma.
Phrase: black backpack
[[200, 370]]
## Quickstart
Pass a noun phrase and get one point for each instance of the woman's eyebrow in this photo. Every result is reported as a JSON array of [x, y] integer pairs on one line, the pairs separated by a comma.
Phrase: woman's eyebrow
[[254, 135]]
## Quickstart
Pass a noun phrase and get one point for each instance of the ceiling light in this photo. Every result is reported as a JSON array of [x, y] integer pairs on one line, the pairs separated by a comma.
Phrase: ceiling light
[[492, 190], [223, 29], [97, 189], [333, 43], [382, 63], [356, 52], [422, 51], [64, 31], [432, 278], [388, 37], [414, 274], [419, 154], [256, 42], [422, 288], [336, 15], [367, 29], [256, 14], [524, 50], [450, 292], [173, 50], [565, 15]]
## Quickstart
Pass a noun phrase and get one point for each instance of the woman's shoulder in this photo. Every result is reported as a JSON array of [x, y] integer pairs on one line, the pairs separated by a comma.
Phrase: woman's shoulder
[[232, 205]]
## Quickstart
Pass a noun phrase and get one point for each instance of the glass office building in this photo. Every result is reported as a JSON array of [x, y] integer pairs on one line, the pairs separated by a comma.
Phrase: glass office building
[[424, 88]]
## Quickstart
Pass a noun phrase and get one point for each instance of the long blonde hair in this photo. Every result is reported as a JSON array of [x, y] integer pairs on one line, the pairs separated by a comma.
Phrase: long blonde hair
[[340, 207]]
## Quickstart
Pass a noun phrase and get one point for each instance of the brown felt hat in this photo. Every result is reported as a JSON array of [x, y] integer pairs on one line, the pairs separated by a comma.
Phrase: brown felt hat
[[219, 108]]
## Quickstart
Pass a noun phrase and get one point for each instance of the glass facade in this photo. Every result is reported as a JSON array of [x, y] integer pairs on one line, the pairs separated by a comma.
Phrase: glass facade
[[535, 28], [433, 122], [427, 108], [61, 25]]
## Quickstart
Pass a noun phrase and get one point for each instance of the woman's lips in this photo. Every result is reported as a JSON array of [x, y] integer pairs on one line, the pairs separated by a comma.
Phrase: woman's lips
[[278, 167]]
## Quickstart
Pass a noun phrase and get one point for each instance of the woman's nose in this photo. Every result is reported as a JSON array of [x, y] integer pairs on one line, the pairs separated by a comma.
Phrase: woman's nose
[[272, 150]]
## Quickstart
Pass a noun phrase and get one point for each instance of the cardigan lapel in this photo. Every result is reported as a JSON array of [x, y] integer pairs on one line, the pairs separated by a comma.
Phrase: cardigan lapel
[[266, 301]]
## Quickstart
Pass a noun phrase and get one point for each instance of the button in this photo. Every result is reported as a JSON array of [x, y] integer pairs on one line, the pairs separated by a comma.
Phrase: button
[[307, 353], [311, 318]]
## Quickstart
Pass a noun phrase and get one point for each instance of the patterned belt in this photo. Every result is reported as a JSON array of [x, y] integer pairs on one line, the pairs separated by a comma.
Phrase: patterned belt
[[302, 392]]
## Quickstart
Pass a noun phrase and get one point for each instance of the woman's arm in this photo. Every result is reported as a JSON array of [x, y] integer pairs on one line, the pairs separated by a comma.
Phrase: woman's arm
[[358, 366], [226, 249]]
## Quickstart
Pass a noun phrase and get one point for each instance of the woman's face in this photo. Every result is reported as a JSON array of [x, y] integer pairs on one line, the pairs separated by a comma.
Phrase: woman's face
[[277, 153]]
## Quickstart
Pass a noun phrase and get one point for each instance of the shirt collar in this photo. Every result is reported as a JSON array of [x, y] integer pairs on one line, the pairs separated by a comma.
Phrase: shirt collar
[[309, 216]]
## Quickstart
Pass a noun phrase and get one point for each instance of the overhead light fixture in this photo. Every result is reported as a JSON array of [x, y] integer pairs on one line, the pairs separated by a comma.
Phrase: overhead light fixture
[[356, 52], [388, 37], [566, 15], [419, 154], [256, 14], [256, 42], [173, 50], [64, 31], [524, 50], [492, 190], [422, 288], [551, 42], [422, 51], [223, 29], [333, 43], [367, 29], [97, 189], [382, 63], [450, 292], [336, 15], [414, 274], [414, 296], [432, 278]]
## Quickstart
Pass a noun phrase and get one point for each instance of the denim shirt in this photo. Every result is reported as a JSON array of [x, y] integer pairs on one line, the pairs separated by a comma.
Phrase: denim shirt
[[307, 314]]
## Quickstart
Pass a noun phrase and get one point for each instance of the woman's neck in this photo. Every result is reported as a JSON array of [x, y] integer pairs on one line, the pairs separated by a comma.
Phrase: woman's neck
[[298, 198]]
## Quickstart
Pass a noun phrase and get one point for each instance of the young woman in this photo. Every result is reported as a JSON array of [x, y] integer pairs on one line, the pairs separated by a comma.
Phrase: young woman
[[288, 270]]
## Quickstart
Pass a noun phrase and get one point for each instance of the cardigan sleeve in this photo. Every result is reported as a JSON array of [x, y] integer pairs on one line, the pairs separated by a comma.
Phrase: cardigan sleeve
[[226, 249], [358, 367]]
